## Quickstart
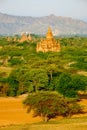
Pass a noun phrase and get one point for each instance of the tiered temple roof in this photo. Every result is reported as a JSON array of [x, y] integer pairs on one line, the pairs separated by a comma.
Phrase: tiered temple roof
[[25, 37], [48, 44]]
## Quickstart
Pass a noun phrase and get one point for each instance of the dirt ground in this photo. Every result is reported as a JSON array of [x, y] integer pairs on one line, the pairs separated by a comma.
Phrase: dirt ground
[[12, 111]]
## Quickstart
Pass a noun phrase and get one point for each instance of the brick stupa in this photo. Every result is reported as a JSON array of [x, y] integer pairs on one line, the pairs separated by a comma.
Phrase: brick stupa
[[25, 38], [48, 44]]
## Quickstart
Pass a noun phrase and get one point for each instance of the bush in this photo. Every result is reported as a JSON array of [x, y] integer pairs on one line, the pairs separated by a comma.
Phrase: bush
[[15, 61]]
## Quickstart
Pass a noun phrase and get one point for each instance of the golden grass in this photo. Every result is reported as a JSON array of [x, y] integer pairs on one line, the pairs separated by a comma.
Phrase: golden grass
[[71, 126], [13, 112]]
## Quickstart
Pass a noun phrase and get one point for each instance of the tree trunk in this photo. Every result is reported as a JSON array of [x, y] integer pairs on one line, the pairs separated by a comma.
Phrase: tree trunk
[[44, 118], [51, 76]]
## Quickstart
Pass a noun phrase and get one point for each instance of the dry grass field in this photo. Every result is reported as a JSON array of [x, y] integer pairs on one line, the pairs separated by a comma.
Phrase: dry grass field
[[48, 127], [13, 112], [13, 116]]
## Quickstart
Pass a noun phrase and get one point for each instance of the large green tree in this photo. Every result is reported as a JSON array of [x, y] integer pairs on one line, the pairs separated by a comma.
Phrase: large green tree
[[69, 85], [49, 105], [37, 79], [63, 84]]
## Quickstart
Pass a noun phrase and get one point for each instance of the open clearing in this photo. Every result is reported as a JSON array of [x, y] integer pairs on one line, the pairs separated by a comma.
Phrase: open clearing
[[13, 116]]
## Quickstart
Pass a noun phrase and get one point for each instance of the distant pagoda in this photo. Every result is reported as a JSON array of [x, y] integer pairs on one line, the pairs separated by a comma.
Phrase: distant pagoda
[[48, 44], [25, 38]]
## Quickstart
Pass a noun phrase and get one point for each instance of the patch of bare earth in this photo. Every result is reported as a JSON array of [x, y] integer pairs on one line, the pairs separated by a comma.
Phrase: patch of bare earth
[[13, 112], [82, 73]]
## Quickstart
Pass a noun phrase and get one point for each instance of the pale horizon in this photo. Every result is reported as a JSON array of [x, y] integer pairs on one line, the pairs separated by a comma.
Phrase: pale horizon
[[66, 8]]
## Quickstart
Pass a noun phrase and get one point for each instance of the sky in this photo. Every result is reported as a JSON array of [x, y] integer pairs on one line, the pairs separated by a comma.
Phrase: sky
[[37, 8]]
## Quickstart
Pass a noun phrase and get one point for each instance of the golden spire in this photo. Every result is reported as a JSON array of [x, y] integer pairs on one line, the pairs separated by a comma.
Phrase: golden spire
[[29, 37], [49, 34]]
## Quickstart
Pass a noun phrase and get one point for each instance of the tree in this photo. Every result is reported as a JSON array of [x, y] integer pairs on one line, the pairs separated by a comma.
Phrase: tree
[[17, 80], [13, 86], [62, 85], [69, 85], [29, 79], [78, 82], [21, 78], [3, 86], [37, 79], [70, 107], [52, 68], [49, 105], [43, 104]]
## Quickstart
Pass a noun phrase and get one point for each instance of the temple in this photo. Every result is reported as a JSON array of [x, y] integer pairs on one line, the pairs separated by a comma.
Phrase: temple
[[48, 44], [9, 39], [25, 38]]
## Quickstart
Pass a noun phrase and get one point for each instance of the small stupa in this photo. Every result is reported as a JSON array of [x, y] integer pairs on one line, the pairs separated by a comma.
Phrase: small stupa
[[15, 39], [48, 44], [9, 39], [25, 38], [29, 37]]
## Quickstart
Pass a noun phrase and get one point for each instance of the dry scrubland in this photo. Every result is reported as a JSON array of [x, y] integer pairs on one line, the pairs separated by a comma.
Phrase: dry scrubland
[[12, 112]]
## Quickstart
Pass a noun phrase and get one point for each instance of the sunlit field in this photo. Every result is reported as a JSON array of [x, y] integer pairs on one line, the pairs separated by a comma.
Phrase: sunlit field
[[13, 116], [12, 111]]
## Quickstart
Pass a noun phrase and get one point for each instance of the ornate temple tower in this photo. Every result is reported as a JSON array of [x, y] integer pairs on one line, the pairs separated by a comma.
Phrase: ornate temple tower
[[25, 38], [49, 34], [48, 44], [29, 37]]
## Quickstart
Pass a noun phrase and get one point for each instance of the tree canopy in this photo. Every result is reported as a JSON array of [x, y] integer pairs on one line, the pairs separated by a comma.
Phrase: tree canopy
[[49, 105]]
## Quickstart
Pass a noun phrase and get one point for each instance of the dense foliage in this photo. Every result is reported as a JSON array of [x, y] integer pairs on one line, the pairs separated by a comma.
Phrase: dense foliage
[[23, 70], [69, 85]]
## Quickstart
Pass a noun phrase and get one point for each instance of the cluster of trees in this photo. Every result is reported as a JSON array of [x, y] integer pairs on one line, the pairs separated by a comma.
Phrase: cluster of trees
[[33, 80], [43, 71], [45, 75]]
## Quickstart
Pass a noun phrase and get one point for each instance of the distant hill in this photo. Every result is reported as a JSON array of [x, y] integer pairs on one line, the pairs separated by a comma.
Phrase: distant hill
[[60, 25]]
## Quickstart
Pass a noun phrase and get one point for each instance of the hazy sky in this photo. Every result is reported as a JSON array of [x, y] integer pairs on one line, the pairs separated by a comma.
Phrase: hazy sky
[[71, 8]]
